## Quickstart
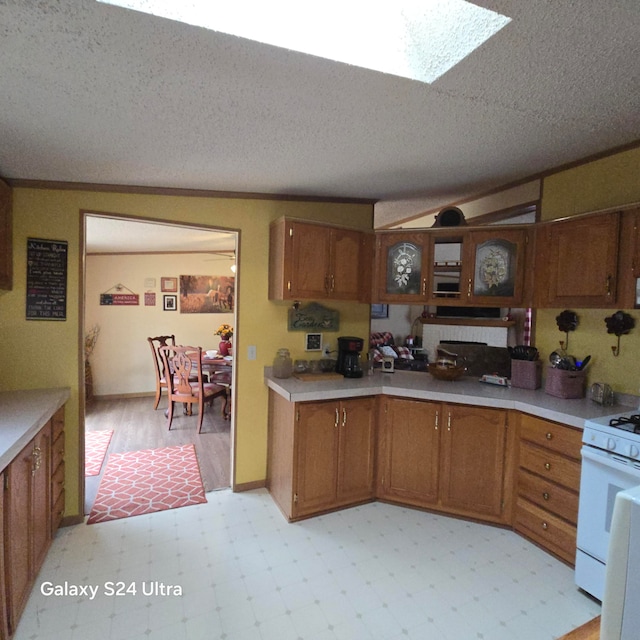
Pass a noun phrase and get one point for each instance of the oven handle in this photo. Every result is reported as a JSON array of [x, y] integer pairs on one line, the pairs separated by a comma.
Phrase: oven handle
[[611, 460]]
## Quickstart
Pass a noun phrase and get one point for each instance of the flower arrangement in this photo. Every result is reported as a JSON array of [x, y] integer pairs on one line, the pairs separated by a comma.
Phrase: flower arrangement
[[225, 331]]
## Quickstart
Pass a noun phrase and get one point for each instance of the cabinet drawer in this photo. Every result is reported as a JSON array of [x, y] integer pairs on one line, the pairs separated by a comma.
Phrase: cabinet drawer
[[57, 483], [549, 496], [550, 435], [542, 527], [550, 465], [57, 513], [57, 451]]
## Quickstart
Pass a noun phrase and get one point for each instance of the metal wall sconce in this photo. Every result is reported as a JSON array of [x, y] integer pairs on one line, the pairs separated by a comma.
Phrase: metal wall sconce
[[620, 323], [566, 321]]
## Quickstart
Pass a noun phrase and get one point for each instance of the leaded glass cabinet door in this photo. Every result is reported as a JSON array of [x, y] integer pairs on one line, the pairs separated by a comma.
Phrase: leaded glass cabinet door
[[402, 260], [496, 267]]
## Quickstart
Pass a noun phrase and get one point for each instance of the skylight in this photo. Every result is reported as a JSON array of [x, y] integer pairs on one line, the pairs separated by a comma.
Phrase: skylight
[[416, 39]]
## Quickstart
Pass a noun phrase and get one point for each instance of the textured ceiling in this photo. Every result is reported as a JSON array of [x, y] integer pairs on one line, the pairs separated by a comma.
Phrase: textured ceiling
[[99, 94]]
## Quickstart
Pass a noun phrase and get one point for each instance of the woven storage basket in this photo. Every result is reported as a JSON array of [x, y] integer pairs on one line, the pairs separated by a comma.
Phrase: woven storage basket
[[526, 374], [564, 384]]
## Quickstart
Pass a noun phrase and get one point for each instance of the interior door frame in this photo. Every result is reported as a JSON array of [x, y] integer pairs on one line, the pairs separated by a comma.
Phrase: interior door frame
[[85, 214]]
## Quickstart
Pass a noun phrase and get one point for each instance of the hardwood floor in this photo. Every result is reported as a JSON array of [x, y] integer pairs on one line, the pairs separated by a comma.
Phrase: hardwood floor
[[137, 426], [588, 631]]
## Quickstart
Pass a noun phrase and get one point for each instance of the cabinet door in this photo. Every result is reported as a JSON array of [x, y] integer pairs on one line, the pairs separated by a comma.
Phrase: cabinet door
[[41, 498], [344, 277], [495, 267], [18, 538], [402, 263], [473, 459], [316, 457], [356, 447], [310, 276], [410, 439], [6, 237], [4, 623], [582, 255]]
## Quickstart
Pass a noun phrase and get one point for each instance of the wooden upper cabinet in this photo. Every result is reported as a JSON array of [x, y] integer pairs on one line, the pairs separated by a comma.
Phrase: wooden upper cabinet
[[577, 262], [317, 262], [402, 267], [6, 239], [494, 267]]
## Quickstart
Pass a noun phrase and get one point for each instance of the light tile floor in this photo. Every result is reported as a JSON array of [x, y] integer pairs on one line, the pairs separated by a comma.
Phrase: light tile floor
[[371, 572]]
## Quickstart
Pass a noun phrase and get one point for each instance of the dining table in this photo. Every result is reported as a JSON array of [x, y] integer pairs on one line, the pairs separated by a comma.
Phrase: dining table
[[219, 370]]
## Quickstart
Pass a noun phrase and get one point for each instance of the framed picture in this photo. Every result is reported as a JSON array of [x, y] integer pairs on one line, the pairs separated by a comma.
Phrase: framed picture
[[313, 342], [169, 285], [379, 311], [170, 303]]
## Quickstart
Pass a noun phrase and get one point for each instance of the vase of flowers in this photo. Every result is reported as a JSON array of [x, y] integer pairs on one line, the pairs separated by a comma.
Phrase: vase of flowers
[[225, 332]]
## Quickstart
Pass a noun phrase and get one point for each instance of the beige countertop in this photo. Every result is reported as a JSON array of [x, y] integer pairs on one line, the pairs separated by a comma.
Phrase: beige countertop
[[422, 386], [22, 415]]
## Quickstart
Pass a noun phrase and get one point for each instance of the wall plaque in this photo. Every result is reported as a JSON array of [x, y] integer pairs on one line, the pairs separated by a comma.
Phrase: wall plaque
[[46, 279], [313, 317]]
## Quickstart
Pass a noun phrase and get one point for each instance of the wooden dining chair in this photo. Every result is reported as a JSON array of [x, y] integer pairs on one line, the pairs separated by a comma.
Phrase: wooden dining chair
[[186, 364], [158, 364]]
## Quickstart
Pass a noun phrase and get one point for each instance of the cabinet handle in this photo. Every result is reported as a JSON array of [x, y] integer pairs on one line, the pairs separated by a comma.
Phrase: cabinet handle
[[344, 416], [469, 289], [333, 283], [547, 466], [608, 285], [545, 495], [449, 421], [337, 422], [37, 460], [424, 286], [437, 419], [545, 526], [549, 436]]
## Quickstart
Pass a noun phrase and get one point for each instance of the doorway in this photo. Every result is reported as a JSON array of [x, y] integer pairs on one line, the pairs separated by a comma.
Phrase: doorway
[[131, 290]]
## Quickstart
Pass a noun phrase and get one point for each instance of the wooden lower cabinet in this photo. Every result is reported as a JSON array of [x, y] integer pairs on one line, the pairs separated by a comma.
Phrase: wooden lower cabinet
[[321, 454], [447, 457], [547, 486], [28, 522]]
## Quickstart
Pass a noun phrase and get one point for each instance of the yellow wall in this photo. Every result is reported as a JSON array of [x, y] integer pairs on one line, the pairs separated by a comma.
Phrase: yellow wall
[[38, 354], [609, 182]]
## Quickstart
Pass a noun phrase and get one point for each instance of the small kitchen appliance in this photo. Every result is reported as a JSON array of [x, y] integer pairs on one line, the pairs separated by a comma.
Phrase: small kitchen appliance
[[349, 364], [610, 463]]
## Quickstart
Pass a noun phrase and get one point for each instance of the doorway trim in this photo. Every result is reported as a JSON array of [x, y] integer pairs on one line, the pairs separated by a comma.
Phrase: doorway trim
[[85, 214]]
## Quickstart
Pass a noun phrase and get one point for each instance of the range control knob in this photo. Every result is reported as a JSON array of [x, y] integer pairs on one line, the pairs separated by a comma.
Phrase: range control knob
[[611, 444], [634, 452]]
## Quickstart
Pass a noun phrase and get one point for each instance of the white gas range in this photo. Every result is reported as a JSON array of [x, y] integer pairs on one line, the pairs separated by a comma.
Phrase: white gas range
[[610, 463]]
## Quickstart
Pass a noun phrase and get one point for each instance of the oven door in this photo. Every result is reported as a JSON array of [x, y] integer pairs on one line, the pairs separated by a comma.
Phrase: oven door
[[603, 475]]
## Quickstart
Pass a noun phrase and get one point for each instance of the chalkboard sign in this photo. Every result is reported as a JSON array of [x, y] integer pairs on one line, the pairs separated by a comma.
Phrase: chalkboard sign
[[46, 279]]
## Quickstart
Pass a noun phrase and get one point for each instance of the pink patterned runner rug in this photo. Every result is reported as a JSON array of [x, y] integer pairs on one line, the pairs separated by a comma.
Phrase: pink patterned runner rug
[[146, 481], [96, 444]]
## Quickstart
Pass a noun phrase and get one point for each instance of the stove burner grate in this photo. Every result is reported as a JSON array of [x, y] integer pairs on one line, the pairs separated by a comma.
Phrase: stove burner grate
[[628, 423]]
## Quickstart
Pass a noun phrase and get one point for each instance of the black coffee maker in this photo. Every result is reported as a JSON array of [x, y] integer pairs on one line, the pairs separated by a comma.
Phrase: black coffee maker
[[349, 349]]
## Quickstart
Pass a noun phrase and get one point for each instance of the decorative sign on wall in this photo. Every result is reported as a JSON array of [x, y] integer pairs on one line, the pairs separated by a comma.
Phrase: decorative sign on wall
[[149, 299], [313, 317], [46, 279], [207, 294], [119, 299]]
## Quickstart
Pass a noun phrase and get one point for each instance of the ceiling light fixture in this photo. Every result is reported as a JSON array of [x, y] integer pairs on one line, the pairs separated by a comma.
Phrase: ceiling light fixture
[[415, 39]]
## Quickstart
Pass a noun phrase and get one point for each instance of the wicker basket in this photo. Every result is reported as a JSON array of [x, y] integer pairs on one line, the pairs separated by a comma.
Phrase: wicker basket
[[446, 373], [564, 384], [526, 374]]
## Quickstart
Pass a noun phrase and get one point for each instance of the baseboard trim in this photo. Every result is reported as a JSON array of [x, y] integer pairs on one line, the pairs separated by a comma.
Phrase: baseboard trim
[[249, 486], [70, 521]]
